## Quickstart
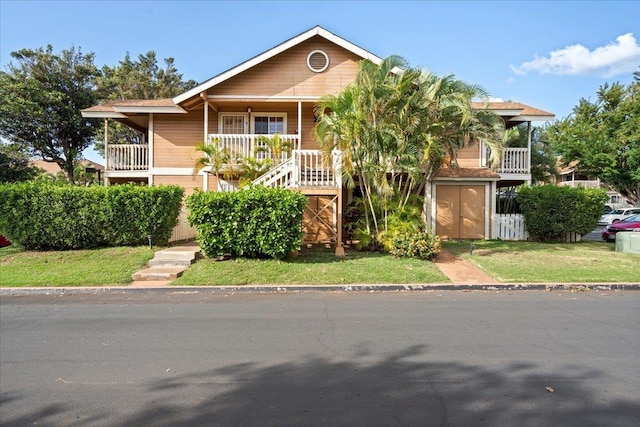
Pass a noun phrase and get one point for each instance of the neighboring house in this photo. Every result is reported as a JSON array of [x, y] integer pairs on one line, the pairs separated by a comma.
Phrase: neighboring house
[[572, 177], [275, 92], [54, 169]]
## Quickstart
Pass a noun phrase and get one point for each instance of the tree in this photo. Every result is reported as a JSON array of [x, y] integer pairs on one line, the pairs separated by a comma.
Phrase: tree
[[40, 101], [604, 137], [396, 126], [215, 155], [137, 79], [15, 164]]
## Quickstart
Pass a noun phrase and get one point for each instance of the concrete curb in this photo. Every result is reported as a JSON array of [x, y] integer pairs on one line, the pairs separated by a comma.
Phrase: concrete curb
[[572, 287]]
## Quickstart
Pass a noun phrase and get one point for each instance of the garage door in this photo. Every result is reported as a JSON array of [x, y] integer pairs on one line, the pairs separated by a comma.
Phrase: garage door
[[460, 211]]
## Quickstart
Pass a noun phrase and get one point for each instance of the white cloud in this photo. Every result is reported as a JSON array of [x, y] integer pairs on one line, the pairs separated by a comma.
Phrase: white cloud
[[619, 57]]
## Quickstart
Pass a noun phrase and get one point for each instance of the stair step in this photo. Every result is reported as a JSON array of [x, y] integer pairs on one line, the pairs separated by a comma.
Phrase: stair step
[[159, 273], [184, 256], [158, 262]]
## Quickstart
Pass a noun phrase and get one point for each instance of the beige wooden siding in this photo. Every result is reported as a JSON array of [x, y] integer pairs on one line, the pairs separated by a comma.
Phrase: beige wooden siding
[[189, 183], [175, 136], [309, 141], [287, 74], [469, 157], [212, 183]]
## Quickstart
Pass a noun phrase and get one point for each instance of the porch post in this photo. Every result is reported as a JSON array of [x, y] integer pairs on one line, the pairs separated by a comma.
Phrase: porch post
[[205, 175], [339, 247], [529, 146], [150, 142], [299, 125], [492, 210], [106, 150]]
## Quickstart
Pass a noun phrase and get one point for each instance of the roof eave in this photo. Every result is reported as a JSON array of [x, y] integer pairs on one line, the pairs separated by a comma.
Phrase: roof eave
[[149, 109], [530, 118], [102, 115]]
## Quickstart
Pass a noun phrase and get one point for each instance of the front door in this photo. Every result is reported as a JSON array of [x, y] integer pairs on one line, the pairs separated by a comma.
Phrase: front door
[[460, 211]]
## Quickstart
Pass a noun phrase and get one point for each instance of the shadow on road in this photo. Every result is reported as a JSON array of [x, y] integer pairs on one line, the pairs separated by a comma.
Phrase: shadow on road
[[362, 391]]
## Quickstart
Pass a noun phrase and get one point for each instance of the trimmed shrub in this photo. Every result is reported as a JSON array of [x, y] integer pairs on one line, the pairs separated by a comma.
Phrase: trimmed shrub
[[550, 212], [39, 215], [254, 222], [421, 245]]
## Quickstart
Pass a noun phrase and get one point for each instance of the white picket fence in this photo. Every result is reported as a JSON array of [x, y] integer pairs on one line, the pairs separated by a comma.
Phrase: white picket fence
[[510, 227]]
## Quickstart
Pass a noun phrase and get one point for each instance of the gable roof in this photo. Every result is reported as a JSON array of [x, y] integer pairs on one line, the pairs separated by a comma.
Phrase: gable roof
[[315, 31]]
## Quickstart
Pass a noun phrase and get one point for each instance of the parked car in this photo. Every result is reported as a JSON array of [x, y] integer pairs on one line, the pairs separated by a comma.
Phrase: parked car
[[3, 241], [629, 224], [617, 215]]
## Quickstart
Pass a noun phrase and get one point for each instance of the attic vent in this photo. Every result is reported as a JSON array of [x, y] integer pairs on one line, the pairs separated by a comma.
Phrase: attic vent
[[317, 61]]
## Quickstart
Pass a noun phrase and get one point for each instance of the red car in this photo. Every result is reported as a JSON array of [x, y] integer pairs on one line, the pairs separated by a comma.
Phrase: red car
[[628, 224], [3, 241]]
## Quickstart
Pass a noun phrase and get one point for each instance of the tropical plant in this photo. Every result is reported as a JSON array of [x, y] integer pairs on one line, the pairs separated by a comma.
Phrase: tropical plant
[[215, 155], [277, 148], [396, 126]]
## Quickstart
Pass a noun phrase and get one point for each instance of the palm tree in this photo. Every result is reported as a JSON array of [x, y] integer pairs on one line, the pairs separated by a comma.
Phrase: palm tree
[[214, 154], [396, 126]]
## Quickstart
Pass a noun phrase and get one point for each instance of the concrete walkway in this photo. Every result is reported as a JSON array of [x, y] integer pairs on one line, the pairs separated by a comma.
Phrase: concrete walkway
[[460, 271], [169, 264]]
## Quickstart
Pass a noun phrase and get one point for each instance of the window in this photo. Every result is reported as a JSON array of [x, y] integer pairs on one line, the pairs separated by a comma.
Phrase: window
[[269, 123], [233, 123]]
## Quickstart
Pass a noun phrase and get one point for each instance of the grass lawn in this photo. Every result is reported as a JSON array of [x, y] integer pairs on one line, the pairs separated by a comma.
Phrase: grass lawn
[[550, 262], [108, 266], [313, 266]]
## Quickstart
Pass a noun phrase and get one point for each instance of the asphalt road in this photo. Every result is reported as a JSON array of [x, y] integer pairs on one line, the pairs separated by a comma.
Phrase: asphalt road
[[449, 358]]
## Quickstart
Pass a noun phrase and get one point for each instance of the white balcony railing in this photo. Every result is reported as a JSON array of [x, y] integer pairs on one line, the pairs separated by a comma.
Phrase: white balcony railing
[[305, 168], [581, 183], [127, 157], [249, 145], [515, 161]]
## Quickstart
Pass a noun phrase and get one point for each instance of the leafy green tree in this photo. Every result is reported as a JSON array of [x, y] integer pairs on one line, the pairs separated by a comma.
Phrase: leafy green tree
[[604, 137], [41, 96], [395, 127], [15, 164], [141, 78]]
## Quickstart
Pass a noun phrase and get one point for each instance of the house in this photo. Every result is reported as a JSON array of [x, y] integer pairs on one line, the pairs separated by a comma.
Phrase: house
[[570, 175], [92, 170], [275, 92]]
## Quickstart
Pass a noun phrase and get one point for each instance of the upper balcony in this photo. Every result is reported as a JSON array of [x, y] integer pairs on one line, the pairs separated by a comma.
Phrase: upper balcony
[[248, 145], [127, 157], [515, 161]]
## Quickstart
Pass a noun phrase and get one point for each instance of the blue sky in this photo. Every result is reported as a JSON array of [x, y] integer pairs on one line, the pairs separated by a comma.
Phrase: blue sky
[[545, 54]]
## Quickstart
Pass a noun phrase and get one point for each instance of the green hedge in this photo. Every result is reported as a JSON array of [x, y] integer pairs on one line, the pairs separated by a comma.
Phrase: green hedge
[[253, 222], [38, 215], [550, 212]]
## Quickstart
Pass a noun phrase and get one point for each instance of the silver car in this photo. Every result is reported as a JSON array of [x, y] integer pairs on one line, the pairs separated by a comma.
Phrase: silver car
[[617, 215]]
